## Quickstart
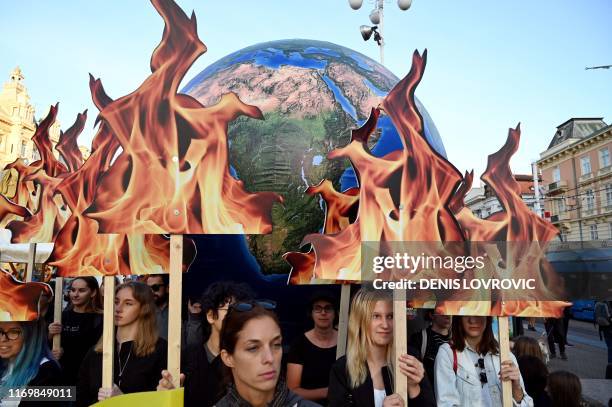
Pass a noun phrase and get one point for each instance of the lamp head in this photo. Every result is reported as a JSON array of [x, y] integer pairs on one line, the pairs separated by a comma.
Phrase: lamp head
[[404, 4], [355, 4], [367, 31]]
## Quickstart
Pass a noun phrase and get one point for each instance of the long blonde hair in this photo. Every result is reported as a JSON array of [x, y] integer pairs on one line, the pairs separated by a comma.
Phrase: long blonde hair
[[146, 336], [362, 309]]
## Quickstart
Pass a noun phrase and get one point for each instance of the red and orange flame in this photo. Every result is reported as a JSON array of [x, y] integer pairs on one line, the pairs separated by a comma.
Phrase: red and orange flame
[[20, 301], [416, 195], [180, 148]]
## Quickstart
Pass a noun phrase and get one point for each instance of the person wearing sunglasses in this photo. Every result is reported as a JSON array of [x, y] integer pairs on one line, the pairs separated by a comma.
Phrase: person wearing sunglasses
[[312, 354], [201, 364], [139, 354], [363, 377], [251, 350], [470, 373], [159, 286], [81, 326], [25, 359]]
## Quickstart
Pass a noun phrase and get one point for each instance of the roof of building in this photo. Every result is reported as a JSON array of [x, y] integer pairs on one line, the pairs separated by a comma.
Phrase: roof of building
[[577, 128]]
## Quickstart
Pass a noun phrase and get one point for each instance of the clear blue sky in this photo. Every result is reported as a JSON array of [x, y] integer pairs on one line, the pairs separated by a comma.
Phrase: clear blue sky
[[491, 64]]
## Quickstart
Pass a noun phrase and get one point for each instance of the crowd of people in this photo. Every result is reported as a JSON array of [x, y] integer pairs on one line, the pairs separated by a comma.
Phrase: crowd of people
[[233, 353]]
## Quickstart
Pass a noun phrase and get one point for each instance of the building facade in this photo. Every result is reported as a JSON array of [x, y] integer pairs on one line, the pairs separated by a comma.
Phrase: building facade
[[576, 170], [17, 122], [483, 202]]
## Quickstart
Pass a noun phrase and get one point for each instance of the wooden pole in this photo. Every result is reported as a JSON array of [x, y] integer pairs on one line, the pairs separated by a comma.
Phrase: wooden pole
[[504, 354], [108, 333], [57, 310], [174, 308], [31, 263], [400, 341], [345, 300]]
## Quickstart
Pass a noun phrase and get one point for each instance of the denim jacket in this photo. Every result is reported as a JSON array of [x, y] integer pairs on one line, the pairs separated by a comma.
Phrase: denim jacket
[[464, 388]]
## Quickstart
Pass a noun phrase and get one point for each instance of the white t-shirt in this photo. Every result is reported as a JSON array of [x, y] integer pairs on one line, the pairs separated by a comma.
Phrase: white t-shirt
[[486, 395], [379, 397]]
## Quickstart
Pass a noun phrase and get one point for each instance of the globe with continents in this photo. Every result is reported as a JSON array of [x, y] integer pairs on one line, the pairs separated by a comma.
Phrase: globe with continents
[[312, 94]]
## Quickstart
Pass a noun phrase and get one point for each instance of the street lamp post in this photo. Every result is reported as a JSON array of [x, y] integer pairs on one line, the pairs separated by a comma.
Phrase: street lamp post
[[377, 18]]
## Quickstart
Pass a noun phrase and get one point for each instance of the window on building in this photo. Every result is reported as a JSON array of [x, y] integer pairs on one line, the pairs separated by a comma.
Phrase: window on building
[[594, 235], [35, 154], [604, 157], [556, 174], [563, 235], [609, 194], [560, 205], [590, 199], [610, 229], [24, 145], [585, 164]]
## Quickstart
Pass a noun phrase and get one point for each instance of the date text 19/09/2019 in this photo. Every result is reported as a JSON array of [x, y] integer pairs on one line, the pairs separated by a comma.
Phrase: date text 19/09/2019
[[457, 284]]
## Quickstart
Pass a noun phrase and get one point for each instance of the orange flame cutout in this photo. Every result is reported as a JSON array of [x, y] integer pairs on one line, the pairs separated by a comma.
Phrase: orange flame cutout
[[20, 301], [180, 148], [416, 195]]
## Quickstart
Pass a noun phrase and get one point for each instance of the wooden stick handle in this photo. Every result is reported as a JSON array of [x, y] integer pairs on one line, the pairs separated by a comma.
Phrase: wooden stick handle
[[57, 310], [400, 332], [345, 300], [108, 334], [31, 263], [174, 308], [504, 354]]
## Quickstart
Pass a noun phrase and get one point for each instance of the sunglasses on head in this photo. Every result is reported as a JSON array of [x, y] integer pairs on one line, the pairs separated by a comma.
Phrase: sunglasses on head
[[247, 306], [156, 287]]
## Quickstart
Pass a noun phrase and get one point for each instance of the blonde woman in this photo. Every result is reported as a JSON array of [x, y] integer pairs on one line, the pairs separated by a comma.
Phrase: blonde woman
[[362, 378], [140, 355]]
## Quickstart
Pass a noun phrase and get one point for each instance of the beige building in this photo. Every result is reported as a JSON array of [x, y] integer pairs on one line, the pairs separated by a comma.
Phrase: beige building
[[17, 122], [577, 179]]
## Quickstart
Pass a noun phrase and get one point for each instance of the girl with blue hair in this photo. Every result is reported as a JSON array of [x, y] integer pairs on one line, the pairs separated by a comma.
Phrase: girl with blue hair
[[25, 359]]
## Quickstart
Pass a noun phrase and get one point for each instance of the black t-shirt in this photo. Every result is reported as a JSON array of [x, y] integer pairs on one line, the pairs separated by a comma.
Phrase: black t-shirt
[[434, 341], [80, 331], [204, 379], [138, 373], [316, 362]]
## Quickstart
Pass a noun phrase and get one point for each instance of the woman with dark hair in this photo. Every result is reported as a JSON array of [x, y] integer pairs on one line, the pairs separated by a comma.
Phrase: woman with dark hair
[[312, 354], [25, 359], [362, 378], [251, 349], [535, 375], [469, 372], [140, 355], [81, 326], [565, 389]]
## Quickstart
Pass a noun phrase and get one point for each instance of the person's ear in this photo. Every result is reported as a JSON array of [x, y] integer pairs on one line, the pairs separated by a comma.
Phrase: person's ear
[[210, 317], [227, 359]]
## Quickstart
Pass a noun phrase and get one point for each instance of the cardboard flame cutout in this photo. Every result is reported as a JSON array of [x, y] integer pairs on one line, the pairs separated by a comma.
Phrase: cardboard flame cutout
[[20, 301], [416, 195], [173, 173]]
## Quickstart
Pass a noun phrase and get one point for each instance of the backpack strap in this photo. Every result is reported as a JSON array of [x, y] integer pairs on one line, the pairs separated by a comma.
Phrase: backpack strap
[[455, 360]]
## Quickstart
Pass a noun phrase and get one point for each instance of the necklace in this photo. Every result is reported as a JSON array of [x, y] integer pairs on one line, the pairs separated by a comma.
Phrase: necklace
[[122, 368]]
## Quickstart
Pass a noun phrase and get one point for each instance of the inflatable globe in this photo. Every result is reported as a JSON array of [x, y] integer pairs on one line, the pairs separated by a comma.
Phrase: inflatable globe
[[312, 94]]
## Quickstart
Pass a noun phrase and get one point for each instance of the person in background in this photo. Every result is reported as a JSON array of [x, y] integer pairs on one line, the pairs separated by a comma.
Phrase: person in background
[[469, 372], [429, 340], [81, 326], [535, 375], [527, 346], [312, 354], [158, 283], [554, 330], [603, 319], [567, 315], [251, 350], [531, 321], [201, 364], [25, 360], [564, 389], [140, 355], [363, 377]]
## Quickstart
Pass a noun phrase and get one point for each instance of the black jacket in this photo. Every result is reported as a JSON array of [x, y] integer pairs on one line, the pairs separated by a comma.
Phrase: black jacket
[[49, 374], [340, 394], [139, 373]]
